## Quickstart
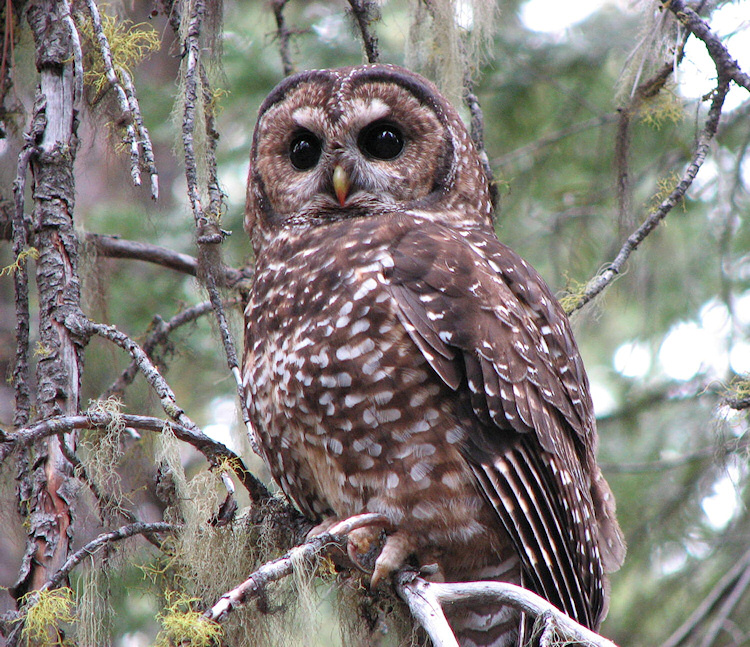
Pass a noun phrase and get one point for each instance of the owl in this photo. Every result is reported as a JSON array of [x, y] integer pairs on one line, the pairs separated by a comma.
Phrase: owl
[[400, 360]]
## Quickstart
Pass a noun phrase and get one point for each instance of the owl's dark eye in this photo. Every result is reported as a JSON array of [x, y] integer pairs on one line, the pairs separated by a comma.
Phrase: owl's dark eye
[[304, 151], [382, 141]]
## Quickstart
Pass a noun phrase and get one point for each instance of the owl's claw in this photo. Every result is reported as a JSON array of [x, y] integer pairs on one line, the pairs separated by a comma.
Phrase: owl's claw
[[397, 548]]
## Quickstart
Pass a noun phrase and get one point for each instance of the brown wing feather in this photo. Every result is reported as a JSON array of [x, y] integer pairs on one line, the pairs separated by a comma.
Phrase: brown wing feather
[[487, 323]]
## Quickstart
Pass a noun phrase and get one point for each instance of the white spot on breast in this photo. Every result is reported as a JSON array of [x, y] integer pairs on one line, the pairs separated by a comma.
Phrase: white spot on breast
[[392, 481], [361, 325], [368, 285], [353, 399]]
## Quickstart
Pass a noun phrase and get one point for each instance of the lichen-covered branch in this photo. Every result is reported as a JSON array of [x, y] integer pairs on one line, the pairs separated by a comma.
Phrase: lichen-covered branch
[[254, 586], [215, 452], [726, 66], [136, 135], [123, 532]]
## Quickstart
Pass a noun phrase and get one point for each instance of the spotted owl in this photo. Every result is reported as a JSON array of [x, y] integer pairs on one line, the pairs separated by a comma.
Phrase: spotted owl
[[400, 360]]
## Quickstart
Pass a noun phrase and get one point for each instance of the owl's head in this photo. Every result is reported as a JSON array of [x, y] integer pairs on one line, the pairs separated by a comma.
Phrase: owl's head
[[353, 142]]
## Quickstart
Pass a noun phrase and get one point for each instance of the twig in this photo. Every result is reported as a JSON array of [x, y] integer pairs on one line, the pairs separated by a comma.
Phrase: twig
[[129, 108], [124, 532], [159, 334], [365, 12], [144, 139], [736, 594], [612, 271], [554, 137], [191, 47], [283, 35], [702, 611], [254, 586], [726, 66]]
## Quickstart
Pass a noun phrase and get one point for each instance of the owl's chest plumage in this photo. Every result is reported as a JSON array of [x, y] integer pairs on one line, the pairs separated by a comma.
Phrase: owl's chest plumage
[[350, 415]]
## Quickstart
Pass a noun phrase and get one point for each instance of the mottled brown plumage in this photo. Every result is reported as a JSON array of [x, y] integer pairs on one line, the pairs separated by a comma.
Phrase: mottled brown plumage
[[399, 359]]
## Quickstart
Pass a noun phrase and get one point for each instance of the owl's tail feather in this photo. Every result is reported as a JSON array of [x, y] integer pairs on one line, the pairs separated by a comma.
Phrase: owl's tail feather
[[484, 625], [488, 624]]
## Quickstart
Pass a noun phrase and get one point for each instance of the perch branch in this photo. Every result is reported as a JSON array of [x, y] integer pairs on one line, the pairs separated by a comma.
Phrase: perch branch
[[414, 590], [425, 599], [254, 586]]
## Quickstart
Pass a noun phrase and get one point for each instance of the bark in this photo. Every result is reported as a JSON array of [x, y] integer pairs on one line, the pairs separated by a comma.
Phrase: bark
[[47, 485]]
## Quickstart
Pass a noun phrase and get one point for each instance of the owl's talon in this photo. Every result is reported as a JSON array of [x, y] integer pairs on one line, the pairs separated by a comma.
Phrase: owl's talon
[[397, 548]]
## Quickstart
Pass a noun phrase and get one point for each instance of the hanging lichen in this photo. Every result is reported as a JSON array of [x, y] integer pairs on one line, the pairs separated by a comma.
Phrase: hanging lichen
[[448, 40]]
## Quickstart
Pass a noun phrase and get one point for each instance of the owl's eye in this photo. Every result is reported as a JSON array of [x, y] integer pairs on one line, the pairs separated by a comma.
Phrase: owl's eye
[[304, 151], [381, 141]]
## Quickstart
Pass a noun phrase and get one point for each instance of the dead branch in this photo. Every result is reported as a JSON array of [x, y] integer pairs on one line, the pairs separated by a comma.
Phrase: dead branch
[[123, 532], [159, 334], [139, 143], [426, 600]]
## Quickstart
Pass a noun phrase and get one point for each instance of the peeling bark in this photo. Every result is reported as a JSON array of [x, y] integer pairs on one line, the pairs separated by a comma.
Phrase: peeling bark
[[47, 485]]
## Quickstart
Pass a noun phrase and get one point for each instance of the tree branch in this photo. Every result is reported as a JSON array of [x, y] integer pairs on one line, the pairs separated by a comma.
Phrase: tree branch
[[365, 13], [425, 598], [131, 117], [726, 66], [160, 332], [254, 586], [602, 280], [213, 450], [123, 532]]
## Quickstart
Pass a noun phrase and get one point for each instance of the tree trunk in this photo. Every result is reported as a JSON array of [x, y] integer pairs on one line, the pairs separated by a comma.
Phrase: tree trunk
[[47, 485]]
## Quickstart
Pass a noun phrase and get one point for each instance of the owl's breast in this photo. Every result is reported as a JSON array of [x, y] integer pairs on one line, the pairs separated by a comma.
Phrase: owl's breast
[[350, 415]]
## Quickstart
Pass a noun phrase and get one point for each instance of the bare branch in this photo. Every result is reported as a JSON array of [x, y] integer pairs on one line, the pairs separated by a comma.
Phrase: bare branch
[[114, 247], [366, 12], [124, 532], [159, 334], [612, 271], [129, 108], [724, 587], [414, 590]]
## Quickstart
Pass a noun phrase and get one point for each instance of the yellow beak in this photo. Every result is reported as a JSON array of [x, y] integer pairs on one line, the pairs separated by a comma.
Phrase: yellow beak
[[341, 183]]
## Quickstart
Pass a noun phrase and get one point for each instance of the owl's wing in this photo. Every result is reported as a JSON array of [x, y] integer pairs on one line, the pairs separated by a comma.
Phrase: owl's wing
[[490, 327]]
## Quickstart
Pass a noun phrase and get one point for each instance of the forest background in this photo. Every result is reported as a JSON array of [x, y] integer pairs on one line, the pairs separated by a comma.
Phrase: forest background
[[593, 114]]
